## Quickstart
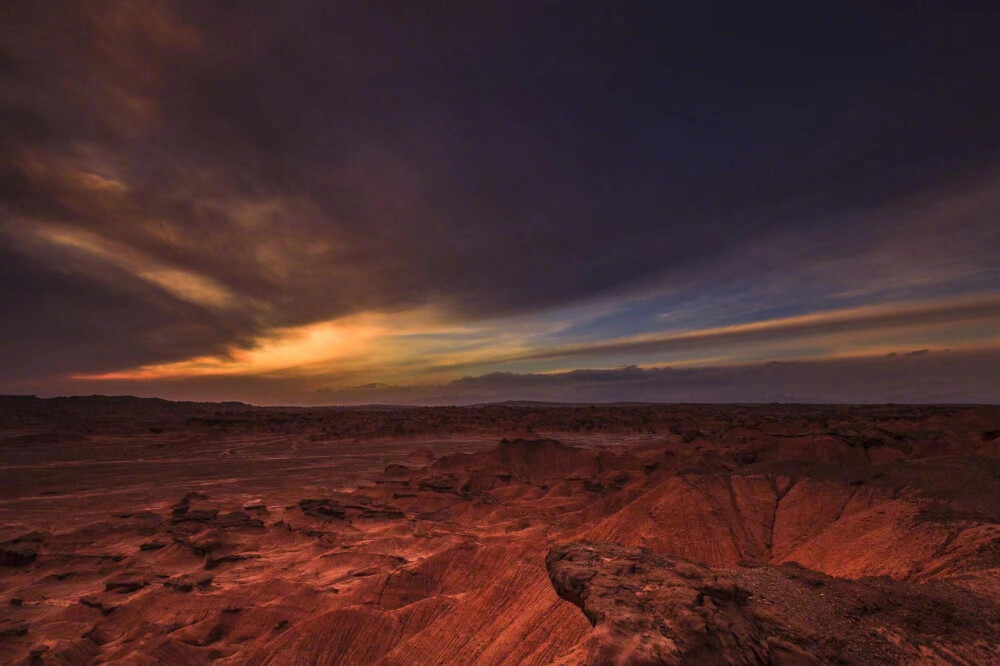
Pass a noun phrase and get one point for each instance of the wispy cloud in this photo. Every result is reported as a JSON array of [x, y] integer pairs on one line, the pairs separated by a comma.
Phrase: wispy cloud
[[183, 284], [960, 311]]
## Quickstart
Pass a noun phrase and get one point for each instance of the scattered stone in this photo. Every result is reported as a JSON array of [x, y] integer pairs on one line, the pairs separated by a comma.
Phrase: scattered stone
[[238, 520], [125, 586], [213, 562], [689, 436], [17, 556], [93, 602], [322, 508], [14, 629], [35, 655]]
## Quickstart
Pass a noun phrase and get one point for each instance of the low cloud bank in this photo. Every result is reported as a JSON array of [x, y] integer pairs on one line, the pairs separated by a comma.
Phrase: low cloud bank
[[928, 377]]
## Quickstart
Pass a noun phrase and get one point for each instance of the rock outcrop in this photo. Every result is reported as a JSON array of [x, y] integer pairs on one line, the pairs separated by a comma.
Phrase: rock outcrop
[[649, 609]]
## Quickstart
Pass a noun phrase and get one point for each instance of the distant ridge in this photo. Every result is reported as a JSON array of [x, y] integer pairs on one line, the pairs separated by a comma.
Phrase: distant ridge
[[549, 403], [30, 401]]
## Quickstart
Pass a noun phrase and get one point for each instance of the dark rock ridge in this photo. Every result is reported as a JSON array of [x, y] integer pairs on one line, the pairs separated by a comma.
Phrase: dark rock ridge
[[649, 609]]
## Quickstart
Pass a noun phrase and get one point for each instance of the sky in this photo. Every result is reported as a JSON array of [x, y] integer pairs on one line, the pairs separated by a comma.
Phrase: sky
[[315, 202]]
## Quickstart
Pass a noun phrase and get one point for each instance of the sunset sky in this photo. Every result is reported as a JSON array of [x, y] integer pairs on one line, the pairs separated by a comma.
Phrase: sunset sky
[[368, 202]]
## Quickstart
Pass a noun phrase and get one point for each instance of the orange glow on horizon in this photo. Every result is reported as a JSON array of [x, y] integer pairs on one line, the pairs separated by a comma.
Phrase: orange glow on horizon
[[420, 344]]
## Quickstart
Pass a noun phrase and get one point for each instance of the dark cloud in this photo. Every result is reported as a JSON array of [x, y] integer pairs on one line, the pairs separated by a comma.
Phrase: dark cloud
[[180, 177], [57, 323], [930, 377]]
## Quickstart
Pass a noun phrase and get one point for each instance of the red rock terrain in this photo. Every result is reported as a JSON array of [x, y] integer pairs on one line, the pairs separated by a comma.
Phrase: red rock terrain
[[148, 532]]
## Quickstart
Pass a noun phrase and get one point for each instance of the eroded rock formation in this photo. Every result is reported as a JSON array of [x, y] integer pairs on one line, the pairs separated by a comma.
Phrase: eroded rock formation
[[650, 609], [711, 534]]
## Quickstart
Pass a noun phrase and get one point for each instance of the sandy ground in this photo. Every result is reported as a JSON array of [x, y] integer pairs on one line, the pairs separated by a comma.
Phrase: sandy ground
[[154, 532]]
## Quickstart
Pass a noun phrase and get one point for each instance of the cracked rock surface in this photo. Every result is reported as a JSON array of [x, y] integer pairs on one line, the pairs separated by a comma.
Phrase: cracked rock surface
[[650, 609]]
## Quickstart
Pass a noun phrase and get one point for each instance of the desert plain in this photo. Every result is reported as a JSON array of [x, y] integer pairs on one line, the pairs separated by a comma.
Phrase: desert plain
[[143, 531]]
